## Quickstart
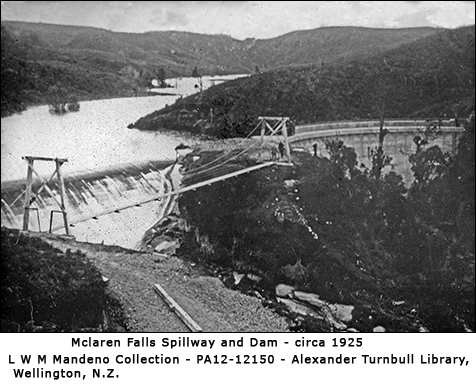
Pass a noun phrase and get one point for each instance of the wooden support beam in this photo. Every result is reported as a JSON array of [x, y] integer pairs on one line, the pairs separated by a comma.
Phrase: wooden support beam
[[220, 178], [263, 130], [187, 319], [284, 131], [172, 193], [44, 186], [45, 159], [272, 118], [44, 183], [271, 129], [62, 194], [29, 183]]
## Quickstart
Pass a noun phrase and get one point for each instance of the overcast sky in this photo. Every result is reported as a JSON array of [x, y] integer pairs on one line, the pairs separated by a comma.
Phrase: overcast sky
[[241, 19]]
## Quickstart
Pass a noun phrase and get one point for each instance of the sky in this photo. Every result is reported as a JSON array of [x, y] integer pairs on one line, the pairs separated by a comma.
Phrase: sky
[[241, 19]]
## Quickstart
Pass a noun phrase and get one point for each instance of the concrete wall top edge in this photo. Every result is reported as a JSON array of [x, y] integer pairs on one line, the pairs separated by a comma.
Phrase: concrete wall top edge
[[364, 131]]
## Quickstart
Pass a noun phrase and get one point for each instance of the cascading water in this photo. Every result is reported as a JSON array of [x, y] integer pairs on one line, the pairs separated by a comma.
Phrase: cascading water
[[94, 139], [90, 194]]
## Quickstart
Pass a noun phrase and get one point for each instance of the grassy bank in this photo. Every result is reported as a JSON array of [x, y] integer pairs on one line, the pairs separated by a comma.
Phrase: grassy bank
[[46, 290]]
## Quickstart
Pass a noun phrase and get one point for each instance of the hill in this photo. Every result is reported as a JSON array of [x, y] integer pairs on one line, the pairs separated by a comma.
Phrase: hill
[[95, 63], [430, 77], [29, 73], [403, 257]]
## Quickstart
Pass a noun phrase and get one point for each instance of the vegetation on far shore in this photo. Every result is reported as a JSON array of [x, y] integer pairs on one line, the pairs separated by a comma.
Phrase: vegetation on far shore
[[432, 77], [92, 63], [31, 80]]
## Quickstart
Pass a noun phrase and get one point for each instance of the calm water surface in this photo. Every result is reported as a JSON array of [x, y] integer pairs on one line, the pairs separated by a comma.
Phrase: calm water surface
[[94, 138]]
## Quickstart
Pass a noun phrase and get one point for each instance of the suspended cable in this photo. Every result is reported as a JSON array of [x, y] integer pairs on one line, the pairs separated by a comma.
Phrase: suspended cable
[[226, 154], [229, 160]]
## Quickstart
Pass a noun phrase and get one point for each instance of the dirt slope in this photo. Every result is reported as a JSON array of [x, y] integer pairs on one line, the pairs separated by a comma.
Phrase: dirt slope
[[215, 308]]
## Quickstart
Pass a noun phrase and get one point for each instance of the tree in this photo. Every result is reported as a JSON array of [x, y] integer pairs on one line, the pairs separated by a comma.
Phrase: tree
[[14, 72], [379, 159], [195, 72], [380, 98], [161, 77]]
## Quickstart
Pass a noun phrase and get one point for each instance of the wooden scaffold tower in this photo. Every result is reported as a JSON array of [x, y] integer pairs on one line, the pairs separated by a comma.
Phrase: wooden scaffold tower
[[275, 125], [30, 197]]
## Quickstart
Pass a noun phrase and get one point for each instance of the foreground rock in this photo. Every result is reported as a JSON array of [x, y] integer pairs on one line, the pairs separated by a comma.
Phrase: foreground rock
[[310, 305]]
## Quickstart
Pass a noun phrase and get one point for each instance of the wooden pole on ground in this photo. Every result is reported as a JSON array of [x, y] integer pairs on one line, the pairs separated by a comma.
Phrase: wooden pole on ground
[[187, 319]]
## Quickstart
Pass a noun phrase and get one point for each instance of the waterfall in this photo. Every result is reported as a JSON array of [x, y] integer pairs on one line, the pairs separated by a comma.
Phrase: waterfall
[[89, 194]]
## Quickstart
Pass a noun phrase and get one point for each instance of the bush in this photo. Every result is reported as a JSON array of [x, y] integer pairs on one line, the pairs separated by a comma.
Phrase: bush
[[44, 289]]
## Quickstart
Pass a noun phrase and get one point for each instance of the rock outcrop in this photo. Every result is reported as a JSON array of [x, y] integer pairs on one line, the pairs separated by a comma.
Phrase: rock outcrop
[[310, 305]]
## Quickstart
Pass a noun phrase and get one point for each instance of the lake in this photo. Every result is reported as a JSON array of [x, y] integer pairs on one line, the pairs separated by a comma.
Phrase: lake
[[94, 138]]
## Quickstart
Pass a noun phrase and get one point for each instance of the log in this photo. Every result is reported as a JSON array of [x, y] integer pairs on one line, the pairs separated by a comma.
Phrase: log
[[174, 306]]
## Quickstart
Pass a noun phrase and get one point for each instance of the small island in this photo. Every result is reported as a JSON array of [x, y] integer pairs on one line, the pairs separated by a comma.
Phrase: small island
[[60, 101]]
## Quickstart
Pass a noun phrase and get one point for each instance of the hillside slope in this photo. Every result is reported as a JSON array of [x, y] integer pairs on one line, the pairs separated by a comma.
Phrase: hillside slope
[[26, 81], [430, 77], [180, 51], [95, 63]]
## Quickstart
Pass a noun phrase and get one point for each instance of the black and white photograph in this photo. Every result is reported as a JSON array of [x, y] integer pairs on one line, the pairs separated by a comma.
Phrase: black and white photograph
[[237, 167]]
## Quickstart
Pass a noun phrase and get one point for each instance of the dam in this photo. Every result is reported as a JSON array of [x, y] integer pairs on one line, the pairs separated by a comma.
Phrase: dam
[[363, 136], [88, 194], [96, 201]]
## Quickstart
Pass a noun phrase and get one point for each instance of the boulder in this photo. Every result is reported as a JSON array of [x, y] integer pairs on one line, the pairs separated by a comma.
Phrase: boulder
[[334, 314], [183, 225], [149, 234], [164, 222], [159, 258], [298, 308], [237, 277], [309, 298], [159, 240], [379, 329], [173, 217], [167, 247], [343, 312], [254, 278], [173, 225], [283, 290], [290, 183]]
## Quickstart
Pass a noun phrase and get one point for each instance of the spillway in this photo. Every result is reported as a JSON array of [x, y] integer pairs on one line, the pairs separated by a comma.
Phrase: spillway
[[89, 194]]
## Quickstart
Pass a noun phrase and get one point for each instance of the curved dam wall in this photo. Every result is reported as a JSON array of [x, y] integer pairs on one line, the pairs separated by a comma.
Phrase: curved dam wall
[[89, 194], [363, 137]]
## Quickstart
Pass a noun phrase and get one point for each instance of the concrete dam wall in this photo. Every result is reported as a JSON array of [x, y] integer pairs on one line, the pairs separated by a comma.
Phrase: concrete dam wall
[[363, 136]]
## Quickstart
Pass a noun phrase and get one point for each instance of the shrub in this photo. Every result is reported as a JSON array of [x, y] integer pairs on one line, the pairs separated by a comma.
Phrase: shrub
[[45, 289]]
